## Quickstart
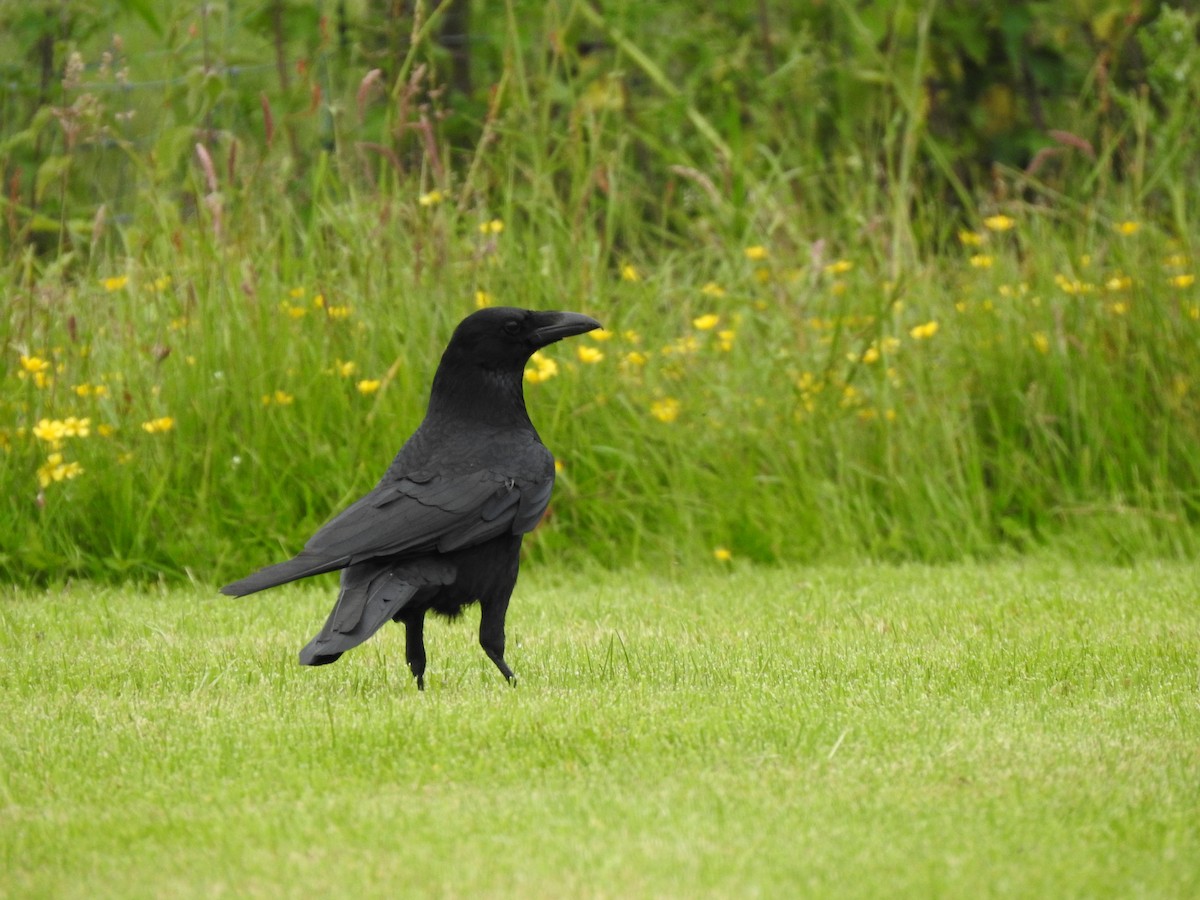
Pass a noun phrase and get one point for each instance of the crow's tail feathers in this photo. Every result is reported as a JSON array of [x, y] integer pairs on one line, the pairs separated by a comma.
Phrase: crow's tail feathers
[[371, 594], [281, 573]]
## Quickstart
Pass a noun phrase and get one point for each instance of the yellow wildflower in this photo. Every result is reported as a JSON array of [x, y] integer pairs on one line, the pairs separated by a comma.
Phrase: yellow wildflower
[[368, 386], [338, 313], [115, 283], [105, 430], [161, 283], [871, 355], [998, 223], [31, 365], [970, 238], [712, 289], [1127, 227], [53, 431], [630, 273], [296, 293], [665, 410], [757, 253], [706, 322], [1119, 308], [280, 398], [75, 427], [54, 469], [1182, 281], [838, 267], [722, 554], [725, 338], [601, 335], [345, 369], [158, 426], [922, 332], [296, 312], [635, 358], [1041, 342], [430, 198], [542, 368], [1073, 286], [982, 260], [483, 300], [495, 226], [588, 354]]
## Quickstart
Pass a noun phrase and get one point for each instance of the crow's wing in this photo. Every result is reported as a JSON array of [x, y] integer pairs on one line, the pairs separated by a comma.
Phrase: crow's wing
[[418, 513]]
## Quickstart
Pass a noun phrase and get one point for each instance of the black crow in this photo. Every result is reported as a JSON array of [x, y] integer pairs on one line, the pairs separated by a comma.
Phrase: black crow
[[443, 527]]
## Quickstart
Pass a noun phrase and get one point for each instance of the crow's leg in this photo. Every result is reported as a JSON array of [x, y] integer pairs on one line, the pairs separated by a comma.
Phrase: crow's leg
[[414, 644], [491, 633]]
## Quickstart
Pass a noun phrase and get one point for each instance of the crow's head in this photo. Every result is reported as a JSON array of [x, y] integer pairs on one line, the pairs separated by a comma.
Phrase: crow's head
[[503, 337]]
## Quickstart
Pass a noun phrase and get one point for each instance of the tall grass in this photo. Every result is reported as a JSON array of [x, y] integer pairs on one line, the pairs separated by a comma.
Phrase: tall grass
[[806, 356]]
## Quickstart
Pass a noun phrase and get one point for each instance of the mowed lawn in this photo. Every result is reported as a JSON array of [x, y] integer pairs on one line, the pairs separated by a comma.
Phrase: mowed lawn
[[1022, 729]]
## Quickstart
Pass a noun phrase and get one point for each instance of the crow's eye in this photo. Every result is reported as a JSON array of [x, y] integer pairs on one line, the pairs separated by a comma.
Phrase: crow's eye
[[512, 326]]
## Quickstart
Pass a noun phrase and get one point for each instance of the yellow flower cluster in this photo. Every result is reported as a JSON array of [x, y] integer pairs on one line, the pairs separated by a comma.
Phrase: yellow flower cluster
[[923, 332], [36, 368], [666, 409], [541, 368], [160, 425], [55, 431], [279, 398], [876, 350], [56, 469]]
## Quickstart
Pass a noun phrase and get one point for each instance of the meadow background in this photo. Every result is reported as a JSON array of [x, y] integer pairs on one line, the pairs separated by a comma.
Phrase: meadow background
[[895, 281], [870, 570]]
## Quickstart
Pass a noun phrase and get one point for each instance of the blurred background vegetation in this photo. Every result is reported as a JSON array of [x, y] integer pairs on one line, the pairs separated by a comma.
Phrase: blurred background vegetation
[[902, 280]]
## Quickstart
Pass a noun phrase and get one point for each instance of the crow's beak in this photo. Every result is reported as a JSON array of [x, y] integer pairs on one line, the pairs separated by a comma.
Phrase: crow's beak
[[554, 326]]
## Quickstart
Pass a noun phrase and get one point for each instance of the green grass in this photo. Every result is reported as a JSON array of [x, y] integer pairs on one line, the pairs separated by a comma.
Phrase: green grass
[[1022, 729]]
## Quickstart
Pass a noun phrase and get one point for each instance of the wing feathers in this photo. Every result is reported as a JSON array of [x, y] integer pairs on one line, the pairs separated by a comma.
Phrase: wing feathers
[[415, 515]]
